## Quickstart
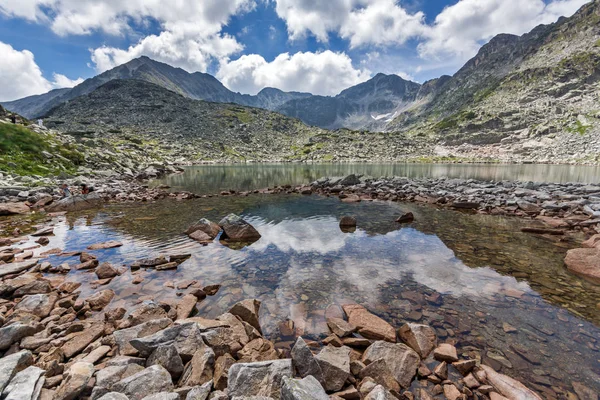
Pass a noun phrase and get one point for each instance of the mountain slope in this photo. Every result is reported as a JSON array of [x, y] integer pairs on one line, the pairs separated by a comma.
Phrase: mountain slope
[[367, 105], [199, 86]]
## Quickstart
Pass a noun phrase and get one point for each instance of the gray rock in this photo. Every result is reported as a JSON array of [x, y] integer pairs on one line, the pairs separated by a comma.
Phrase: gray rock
[[124, 336], [248, 311], [77, 203], [401, 360], [162, 396], [237, 230], [168, 357], [114, 396], [15, 268], [200, 369], [258, 379], [305, 362], [307, 388], [340, 327], [335, 364], [199, 392], [12, 364], [154, 379], [14, 333], [107, 377], [380, 393], [26, 385], [37, 304], [75, 381], [187, 339], [421, 338]]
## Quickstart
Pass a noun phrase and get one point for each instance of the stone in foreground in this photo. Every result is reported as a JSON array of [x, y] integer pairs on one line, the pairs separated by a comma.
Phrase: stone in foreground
[[12, 364], [258, 379], [335, 364], [585, 262], [77, 203], [421, 338], [308, 388], [369, 325], [235, 229], [508, 387], [152, 380]]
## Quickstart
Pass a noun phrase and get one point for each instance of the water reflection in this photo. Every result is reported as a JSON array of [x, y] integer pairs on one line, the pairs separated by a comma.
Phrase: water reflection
[[485, 270], [216, 178]]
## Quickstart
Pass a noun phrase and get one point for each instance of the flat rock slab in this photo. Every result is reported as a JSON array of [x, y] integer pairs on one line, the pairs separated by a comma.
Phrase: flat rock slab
[[15, 268], [13, 364], [105, 245], [77, 203], [369, 325], [585, 262], [13, 208], [258, 379]]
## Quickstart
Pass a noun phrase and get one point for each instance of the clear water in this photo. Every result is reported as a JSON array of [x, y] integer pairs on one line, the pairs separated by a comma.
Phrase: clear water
[[241, 177], [304, 267]]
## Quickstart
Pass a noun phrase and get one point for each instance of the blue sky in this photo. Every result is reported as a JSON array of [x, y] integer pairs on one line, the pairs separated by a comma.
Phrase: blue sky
[[306, 45]]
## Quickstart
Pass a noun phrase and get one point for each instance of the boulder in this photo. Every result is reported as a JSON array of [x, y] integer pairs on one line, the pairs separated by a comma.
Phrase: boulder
[[114, 396], [445, 352], [350, 180], [369, 325], [15, 268], [248, 311], [222, 365], [39, 305], [77, 203], [75, 381], [106, 271], [26, 385], [335, 365], [200, 237], [199, 392], [205, 226], [380, 393], [13, 208], [380, 372], [200, 368], [154, 379], [421, 338], [235, 229], [13, 333], [100, 300], [347, 222], [305, 362], [307, 388], [258, 350], [401, 360], [585, 262], [167, 357], [162, 396], [13, 364], [223, 341], [508, 387], [123, 337], [186, 306], [405, 218], [340, 327], [108, 376], [80, 341], [258, 379], [186, 338]]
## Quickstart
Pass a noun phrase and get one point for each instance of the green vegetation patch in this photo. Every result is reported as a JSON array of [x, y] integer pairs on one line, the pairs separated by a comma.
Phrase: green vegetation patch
[[241, 114], [21, 152], [578, 127]]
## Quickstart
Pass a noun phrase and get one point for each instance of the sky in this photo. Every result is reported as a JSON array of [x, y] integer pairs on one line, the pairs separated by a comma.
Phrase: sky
[[316, 46]]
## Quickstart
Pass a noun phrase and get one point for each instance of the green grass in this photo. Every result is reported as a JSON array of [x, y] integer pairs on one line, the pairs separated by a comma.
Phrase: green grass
[[578, 127], [597, 44], [21, 153]]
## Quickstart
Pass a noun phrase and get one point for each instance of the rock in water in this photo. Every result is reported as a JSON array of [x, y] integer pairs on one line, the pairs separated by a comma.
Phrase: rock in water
[[77, 203], [509, 387], [211, 229], [421, 338], [247, 311], [14, 268], [584, 262], [302, 389], [369, 325], [347, 222], [258, 379], [12, 364], [235, 229], [350, 180], [405, 218], [401, 360]]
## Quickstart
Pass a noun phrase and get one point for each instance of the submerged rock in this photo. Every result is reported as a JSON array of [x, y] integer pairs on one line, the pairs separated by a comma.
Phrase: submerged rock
[[235, 229], [508, 387], [585, 261]]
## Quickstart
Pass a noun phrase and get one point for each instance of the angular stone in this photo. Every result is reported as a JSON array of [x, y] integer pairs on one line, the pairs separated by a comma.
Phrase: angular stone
[[305, 362], [200, 368], [258, 350], [200, 237], [335, 364], [13, 333], [307, 388], [13, 364], [168, 357], [380, 372], [154, 379], [75, 380], [37, 304], [100, 300], [237, 230], [77, 203], [114, 396], [421, 338], [380, 393], [15, 268], [106, 271], [402, 361], [199, 392], [26, 385], [162, 396], [222, 341], [445, 352], [79, 342], [187, 339], [452, 393], [465, 366], [148, 311], [258, 379], [13, 208], [39, 286], [340, 327], [107, 377], [248, 311], [585, 262], [369, 325], [124, 336], [210, 228], [222, 365], [509, 387], [186, 306], [583, 391]]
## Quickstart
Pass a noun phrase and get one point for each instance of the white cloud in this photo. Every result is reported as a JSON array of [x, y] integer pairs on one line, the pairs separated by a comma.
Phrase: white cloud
[[190, 30], [461, 29], [324, 73], [20, 76], [61, 81]]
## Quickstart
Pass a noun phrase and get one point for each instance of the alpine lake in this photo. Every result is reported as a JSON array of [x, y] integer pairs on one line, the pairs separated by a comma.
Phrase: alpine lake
[[498, 294]]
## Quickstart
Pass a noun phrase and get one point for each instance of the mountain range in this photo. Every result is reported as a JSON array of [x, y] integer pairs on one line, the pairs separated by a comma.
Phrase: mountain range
[[533, 96]]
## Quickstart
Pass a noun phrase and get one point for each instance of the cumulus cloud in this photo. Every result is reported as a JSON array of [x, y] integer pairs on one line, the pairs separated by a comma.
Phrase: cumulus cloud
[[324, 73], [20, 76], [190, 35]]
